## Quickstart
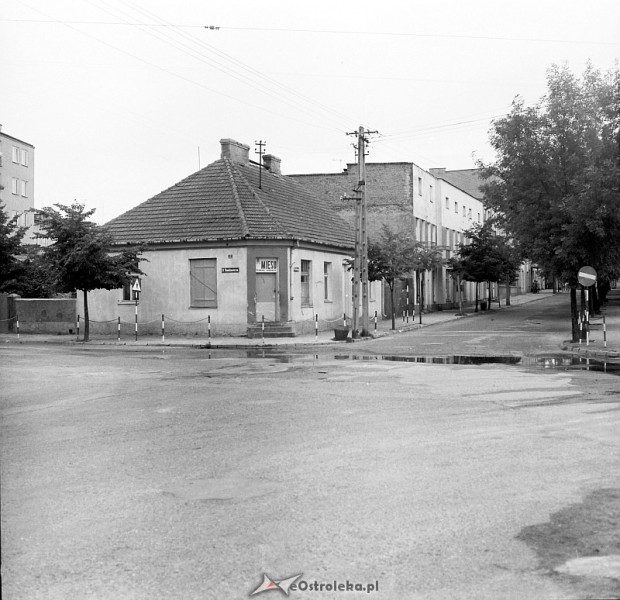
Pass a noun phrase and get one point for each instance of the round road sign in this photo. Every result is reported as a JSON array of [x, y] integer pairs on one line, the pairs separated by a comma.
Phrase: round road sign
[[586, 276]]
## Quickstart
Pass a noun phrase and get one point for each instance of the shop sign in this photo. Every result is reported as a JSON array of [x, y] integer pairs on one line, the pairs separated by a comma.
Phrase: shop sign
[[266, 265]]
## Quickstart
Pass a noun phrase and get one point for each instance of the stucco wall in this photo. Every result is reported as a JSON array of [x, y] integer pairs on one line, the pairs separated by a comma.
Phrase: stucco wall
[[166, 290]]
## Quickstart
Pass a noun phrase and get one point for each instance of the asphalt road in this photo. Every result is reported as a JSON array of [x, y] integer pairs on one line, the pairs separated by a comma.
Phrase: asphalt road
[[133, 473], [541, 326]]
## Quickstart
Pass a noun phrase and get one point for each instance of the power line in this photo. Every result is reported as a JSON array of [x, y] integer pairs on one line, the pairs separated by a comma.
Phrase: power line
[[236, 69], [173, 74], [434, 128], [326, 31]]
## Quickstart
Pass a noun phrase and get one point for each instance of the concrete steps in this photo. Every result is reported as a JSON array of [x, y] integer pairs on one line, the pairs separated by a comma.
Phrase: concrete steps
[[272, 330]]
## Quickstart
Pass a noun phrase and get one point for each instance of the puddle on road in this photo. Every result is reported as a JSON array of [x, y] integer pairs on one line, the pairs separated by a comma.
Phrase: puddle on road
[[554, 362]]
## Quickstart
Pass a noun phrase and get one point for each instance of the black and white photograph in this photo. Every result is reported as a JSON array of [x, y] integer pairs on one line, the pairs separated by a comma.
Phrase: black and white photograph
[[310, 300]]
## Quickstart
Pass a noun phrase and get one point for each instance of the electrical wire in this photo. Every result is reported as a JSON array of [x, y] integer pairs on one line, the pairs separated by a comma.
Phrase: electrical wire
[[234, 68], [176, 75], [493, 38]]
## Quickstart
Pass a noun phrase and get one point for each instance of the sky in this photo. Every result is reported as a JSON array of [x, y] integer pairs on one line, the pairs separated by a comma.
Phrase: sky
[[124, 98]]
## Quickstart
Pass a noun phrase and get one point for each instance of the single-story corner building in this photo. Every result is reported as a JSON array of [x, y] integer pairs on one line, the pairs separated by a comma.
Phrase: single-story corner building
[[232, 245]]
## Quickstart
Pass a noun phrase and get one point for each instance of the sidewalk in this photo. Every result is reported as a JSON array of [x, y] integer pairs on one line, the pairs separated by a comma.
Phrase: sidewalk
[[383, 329]]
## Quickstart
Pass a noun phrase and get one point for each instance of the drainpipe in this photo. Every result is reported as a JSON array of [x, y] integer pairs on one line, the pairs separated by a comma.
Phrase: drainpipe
[[290, 283]]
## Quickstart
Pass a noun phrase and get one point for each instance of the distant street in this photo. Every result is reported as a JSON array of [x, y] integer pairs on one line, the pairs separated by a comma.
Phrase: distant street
[[536, 327], [183, 473]]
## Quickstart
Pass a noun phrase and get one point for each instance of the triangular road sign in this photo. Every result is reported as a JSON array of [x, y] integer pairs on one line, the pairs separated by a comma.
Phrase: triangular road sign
[[136, 286]]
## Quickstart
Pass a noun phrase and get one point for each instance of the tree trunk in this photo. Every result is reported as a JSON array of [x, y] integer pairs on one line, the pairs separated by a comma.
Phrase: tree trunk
[[574, 315], [507, 302], [391, 285], [422, 292], [476, 309], [460, 293], [86, 319]]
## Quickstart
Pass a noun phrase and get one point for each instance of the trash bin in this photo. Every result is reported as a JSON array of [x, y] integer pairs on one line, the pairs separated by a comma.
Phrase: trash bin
[[341, 333]]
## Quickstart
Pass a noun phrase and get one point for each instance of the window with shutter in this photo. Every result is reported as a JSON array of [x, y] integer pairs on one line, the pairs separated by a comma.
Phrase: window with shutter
[[203, 282]]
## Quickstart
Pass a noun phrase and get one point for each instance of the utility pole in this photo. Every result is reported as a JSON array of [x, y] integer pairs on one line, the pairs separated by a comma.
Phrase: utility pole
[[260, 153], [361, 235]]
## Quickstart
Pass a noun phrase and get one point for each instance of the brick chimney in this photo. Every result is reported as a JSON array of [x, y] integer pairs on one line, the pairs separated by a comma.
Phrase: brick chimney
[[235, 151], [272, 164]]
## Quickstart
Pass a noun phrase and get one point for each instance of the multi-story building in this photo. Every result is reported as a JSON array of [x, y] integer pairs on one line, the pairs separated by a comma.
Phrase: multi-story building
[[433, 205], [469, 180], [17, 180]]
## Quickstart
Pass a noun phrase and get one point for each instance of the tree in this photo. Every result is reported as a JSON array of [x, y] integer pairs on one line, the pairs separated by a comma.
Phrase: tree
[[21, 269], [11, 236], [390, 257], [489, 257], [555, 182], [394, 255], [82, 255], [426, 258]]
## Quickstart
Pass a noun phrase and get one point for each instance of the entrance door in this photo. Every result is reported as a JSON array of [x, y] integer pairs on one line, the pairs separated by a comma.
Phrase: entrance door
[[266, 295]]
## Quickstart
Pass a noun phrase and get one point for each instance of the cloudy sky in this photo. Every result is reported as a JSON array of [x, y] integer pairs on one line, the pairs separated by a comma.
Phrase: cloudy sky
[[123, 98]]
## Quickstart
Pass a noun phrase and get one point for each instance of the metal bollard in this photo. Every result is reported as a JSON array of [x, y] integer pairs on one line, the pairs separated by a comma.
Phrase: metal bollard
[[604, 333]]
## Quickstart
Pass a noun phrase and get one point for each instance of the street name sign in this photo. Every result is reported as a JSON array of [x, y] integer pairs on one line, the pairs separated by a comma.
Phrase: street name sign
[[587, 276]]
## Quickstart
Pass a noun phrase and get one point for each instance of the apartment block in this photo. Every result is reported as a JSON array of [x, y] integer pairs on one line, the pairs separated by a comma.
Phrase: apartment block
[[17, 179], [432, 206]]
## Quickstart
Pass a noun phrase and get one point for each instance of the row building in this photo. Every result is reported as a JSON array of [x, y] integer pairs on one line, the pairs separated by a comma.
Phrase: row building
[[439, 206]]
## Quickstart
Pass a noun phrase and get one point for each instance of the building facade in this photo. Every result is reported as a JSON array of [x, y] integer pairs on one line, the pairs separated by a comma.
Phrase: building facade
[[408, 198], [230, 247], [17, 180]]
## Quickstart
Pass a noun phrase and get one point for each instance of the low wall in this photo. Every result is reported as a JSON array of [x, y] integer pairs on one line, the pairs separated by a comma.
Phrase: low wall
[[45, 315]]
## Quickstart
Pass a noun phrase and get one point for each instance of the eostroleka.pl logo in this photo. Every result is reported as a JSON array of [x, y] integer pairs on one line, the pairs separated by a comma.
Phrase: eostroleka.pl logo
[[276, 584], [289, 585]]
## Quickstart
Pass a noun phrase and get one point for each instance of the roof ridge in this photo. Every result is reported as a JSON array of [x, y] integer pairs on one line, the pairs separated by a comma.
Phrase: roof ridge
[[250, 187], [233, 183]]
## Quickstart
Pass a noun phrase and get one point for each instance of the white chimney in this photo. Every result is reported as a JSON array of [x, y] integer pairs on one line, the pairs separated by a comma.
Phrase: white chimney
[[235, 151], [272, 164]]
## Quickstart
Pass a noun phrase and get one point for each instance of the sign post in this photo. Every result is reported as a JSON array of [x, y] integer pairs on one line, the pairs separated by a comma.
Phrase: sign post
[[135, 288], [587, 278]]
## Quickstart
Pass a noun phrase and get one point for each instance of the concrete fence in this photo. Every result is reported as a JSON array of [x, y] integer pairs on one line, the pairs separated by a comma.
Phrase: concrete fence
[[37, 315]]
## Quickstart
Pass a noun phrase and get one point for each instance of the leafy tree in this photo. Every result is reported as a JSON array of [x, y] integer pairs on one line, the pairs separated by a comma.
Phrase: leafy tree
[[555, 182], [393, 255], [489, 257], [21, 269], [82, 255], [11, 236], [426, 258], [478, 259]]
